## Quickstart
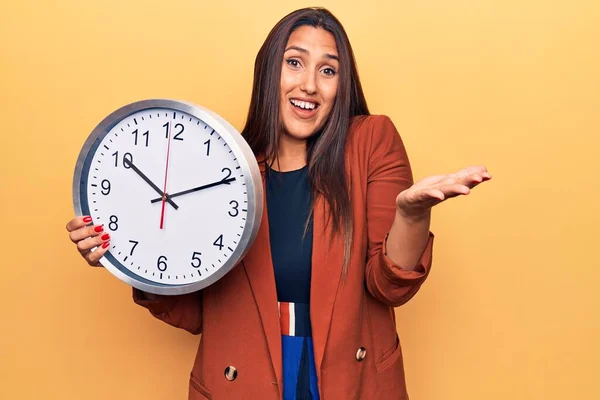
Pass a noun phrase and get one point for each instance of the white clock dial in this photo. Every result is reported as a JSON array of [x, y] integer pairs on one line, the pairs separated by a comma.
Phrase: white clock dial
[[187, 236]]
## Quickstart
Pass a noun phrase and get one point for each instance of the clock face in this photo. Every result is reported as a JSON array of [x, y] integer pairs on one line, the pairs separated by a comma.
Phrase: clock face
[[190, 237]]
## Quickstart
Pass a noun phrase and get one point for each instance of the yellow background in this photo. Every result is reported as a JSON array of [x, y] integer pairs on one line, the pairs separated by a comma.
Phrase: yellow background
[[511, 309]]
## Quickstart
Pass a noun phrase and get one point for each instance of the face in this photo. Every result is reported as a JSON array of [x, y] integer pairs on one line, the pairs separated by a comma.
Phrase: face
[[309, 81]]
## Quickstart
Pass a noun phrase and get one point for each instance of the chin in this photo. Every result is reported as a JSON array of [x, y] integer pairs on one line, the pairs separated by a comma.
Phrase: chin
[[300, 131], [299, 134]]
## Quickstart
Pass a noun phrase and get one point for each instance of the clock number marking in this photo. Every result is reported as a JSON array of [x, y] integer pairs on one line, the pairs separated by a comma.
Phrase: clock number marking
[[176, 137], [105, 187], [196, 257], [177, 126], [133, 248], [146, 134], [113, 225], [235, 207], [219, 242], [229, 172], [127, 156], [162, 263], [207, 143]]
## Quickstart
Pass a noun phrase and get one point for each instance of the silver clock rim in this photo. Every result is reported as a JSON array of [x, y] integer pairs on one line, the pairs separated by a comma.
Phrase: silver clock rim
[[249, 168]]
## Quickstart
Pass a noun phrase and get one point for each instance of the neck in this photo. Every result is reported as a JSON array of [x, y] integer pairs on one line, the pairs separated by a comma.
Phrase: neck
[[291, 154]]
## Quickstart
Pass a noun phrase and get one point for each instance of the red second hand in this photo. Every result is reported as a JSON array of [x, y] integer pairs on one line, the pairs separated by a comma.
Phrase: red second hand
[[164, 199]]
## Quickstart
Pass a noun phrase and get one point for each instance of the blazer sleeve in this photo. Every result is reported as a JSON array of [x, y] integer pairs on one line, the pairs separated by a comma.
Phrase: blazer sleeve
[[182, 311], [389, 173]]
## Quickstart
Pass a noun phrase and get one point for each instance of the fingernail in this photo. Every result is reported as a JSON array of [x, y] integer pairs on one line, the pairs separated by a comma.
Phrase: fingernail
[[105, 245], [87, 219], [106, 236], [98, 228]]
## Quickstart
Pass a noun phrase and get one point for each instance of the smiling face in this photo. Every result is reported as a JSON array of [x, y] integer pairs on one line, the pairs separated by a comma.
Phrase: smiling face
[[309, 81]]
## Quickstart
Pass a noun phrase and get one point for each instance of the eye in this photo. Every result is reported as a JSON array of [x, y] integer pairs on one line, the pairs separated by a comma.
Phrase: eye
[[329, 71], [293, 62]]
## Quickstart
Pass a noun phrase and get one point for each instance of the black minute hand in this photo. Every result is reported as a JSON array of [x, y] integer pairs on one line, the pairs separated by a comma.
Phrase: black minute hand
[[144, 177], [196, 189]]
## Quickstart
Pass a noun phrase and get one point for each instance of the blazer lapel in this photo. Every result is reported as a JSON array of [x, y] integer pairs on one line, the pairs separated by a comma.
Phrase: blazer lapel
[[259, 269], [327, 259]]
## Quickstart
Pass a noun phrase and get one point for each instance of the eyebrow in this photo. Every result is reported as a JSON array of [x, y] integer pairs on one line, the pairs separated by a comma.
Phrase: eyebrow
[[301, 50]]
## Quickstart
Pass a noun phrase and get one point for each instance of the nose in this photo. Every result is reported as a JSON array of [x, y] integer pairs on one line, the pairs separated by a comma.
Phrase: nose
[[308, 82]]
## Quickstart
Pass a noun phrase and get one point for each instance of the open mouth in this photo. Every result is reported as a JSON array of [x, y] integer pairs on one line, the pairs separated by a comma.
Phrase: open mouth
[[304, 105]]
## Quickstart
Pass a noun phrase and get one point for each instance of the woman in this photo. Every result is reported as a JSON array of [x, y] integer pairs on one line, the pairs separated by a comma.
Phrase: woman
[[308, 313]]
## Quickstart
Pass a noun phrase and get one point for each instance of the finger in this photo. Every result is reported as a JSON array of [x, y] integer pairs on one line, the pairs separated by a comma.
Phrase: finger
[[432, 194], [472, 180], [474, 169], [78, 222], [475, 179], [467, 180], [86, 232], [454, 190], [93, 257], [88, 244]]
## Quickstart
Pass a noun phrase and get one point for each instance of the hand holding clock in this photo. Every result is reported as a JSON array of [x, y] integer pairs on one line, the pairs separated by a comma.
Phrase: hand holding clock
[[86, 237]]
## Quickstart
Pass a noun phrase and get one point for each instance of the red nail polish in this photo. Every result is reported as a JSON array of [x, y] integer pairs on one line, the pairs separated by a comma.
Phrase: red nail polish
[[87, 219], [106, 236], [98, 228], [105, 245]]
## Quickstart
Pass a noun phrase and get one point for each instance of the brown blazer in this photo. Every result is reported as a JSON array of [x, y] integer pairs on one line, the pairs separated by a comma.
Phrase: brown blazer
[[357, 351]]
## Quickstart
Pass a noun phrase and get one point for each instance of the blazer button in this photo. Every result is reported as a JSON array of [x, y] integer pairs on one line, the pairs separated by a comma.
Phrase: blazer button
[[230, 373], [361, 354]]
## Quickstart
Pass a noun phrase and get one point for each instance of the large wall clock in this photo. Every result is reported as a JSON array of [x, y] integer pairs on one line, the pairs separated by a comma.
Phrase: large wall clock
[[178, 189]]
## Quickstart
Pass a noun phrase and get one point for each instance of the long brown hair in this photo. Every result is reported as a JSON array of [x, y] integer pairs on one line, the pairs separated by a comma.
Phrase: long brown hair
[[325, 148]]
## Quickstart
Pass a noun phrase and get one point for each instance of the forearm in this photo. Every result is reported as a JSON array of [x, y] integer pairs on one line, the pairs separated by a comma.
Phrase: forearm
[[407, 239], [182, 311]]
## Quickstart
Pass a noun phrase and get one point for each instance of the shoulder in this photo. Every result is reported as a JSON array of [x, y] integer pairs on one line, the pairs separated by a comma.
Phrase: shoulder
[[367, 132]]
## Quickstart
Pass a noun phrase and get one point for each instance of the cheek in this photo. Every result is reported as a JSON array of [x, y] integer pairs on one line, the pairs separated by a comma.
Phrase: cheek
[[286, 83], [329, 92], [329, 89]]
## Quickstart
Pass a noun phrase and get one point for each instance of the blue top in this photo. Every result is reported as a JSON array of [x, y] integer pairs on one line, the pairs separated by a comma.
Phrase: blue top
[[288, 207]]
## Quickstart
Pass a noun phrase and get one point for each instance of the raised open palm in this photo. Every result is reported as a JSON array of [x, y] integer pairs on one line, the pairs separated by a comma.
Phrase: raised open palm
[[430, 191]]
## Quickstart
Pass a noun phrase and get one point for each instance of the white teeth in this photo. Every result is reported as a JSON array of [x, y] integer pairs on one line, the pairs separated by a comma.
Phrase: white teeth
[[304, 104]]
